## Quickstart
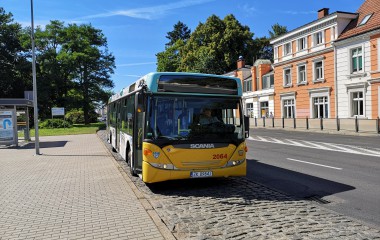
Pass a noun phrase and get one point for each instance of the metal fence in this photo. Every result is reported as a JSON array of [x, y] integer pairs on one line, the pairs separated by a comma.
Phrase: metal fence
[[357, 125]]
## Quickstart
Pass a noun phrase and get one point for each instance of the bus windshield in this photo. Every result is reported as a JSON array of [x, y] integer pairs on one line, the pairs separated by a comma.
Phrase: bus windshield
[[194, 118]]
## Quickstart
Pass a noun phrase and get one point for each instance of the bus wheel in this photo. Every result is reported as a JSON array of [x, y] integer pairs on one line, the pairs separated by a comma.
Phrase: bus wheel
[[130, 163]]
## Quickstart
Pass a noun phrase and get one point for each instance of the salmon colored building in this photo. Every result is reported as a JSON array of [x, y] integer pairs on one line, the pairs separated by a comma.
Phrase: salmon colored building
[[258, 87], [358, 64], [304, 67]]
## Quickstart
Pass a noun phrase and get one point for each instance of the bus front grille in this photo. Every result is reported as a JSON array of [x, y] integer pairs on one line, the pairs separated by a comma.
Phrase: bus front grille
[[201, 163]]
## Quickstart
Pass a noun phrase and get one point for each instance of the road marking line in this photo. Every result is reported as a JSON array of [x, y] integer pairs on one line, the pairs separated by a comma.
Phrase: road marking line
[[342, 148], [293, 142], [295, 160], [277, 140], [318, 145], [262, 139], [367, 150]]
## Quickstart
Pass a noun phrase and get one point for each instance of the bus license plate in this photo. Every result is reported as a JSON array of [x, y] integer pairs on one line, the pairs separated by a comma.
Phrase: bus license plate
[[200, 174]]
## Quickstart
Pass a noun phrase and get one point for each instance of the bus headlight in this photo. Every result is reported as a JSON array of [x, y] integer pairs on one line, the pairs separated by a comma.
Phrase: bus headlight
[[165, 166], [234, 163]]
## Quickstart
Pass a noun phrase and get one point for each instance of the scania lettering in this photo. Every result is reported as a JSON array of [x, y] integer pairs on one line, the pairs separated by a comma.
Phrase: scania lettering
[[201, 145]]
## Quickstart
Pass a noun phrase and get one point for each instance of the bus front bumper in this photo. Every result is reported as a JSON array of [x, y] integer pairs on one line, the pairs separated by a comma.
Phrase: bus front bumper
[[152, 174]]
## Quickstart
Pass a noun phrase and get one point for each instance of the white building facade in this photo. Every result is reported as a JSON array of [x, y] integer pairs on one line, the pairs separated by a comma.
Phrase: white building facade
[[357, 65]]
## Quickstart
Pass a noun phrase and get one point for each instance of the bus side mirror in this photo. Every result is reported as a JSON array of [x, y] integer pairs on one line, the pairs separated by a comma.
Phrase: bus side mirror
[[140, 99], [246, 126]]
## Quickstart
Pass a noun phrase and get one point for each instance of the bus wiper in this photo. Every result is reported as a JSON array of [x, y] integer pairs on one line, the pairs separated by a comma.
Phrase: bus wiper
[[179, 137], [164, 137]]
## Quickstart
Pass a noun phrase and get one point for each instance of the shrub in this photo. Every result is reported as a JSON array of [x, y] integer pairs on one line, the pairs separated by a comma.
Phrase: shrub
[[93, 117], [54, 123], [75, 116]]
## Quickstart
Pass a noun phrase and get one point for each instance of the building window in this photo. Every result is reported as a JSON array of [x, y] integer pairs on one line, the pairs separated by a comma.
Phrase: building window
[[320, 107], [357, 104], [288, 108], [287, 78], [301, 74], [268, 81], [287, 49], [249, 109], [271, 81], [378, 58], [264, 109], [318, 71], [301, 44], [247, 85], [333, 32], [318, 38], [276, 52], [365, 19], [356, 60]]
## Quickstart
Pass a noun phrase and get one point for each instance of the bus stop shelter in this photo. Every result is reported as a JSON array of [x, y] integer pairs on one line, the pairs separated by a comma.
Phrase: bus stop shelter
[[9, 126]]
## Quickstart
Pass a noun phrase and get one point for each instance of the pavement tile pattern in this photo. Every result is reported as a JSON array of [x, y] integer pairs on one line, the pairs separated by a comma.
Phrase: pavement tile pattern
[[74, 190], [236, 208]]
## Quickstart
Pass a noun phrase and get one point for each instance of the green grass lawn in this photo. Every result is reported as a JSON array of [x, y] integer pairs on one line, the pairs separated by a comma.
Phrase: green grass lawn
[[76, 129]]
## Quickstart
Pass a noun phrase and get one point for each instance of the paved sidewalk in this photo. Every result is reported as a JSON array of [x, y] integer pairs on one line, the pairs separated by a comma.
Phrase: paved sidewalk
[[74, 190]]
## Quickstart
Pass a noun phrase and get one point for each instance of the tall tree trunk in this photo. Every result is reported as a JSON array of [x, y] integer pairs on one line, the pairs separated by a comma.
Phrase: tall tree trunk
[[86, 103]]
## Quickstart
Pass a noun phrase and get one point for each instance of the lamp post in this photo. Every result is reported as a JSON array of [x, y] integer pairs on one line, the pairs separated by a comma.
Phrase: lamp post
[[37, 143]]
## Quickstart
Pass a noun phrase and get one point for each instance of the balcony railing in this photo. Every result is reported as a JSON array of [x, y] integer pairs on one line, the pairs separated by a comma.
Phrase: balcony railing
[[355, 125]]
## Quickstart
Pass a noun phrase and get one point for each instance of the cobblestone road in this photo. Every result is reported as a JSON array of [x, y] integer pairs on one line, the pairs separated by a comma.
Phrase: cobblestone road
[[236, 208]]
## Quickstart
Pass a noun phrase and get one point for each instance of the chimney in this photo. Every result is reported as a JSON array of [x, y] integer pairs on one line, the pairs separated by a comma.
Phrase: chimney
[[323, 12], [240, 62]]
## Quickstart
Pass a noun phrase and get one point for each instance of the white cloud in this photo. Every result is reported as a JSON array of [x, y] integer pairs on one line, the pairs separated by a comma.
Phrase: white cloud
[[299, 12], [149, 13], [135, 64], [129, 75], [39, 23], [247, 8]]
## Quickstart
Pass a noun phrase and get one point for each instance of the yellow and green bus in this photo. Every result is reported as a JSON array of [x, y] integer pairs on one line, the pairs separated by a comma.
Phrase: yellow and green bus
[[159, 126]]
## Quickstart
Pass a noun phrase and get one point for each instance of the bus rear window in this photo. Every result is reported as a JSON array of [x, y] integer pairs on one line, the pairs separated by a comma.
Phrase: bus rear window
[[197, 84]]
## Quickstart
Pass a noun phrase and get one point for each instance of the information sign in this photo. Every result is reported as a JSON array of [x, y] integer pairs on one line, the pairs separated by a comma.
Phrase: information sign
[[58, 111], [7, 126]]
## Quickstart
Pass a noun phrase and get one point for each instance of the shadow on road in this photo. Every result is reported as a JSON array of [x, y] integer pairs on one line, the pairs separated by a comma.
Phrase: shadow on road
[[263, 182], [52, 144], [293, 183]]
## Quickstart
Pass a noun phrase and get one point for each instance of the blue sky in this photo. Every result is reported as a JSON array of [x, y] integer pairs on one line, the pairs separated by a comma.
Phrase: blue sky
[[136, 30]]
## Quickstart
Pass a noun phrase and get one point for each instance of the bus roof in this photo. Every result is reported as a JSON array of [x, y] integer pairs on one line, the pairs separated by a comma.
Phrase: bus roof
[[184, 83]]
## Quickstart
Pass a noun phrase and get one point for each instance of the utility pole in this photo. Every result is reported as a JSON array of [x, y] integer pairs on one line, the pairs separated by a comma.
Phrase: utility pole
[[37, 143]]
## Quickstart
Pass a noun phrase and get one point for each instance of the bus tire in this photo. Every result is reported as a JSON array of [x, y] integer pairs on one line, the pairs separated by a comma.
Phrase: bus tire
[[130, 162]]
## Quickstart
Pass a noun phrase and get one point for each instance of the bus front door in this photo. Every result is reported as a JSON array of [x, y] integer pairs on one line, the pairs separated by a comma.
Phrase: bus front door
[[138, 135], [118, 127]]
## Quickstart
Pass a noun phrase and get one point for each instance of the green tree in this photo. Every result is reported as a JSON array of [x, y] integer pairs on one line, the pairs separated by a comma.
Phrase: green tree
[[85, 53], [13, 64], [180, 32], [170, 59], [215, 46], [262, 47], [53, 81], [73, 67], [277, 30]]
